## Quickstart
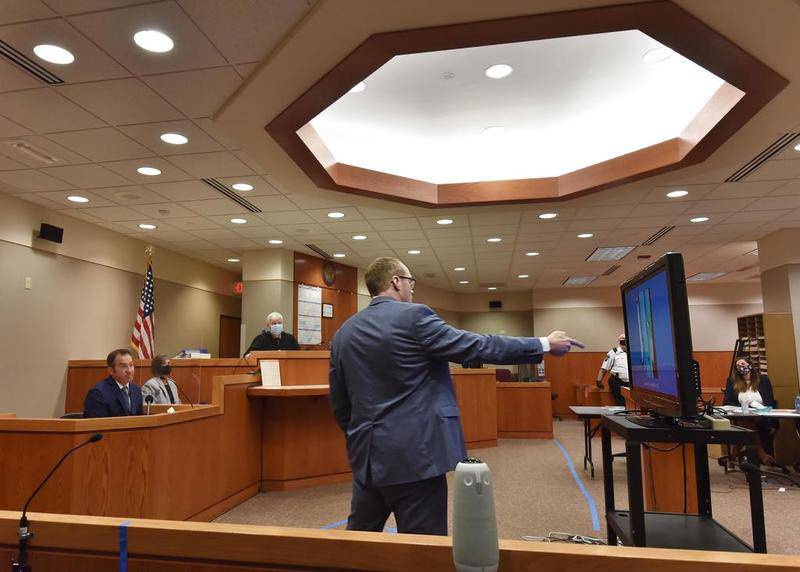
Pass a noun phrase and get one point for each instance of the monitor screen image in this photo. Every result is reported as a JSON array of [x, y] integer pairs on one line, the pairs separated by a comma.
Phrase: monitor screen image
[[652, 362]]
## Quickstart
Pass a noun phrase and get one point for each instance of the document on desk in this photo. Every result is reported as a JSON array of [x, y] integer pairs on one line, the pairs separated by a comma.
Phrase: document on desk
[[270, 373]]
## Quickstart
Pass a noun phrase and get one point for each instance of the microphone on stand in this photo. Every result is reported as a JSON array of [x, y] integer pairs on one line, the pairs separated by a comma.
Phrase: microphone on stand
[[149, 401], [21, 565], [183, 393]]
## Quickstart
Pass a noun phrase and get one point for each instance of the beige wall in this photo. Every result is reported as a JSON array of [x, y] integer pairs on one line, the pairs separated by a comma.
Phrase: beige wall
[[83, 299]]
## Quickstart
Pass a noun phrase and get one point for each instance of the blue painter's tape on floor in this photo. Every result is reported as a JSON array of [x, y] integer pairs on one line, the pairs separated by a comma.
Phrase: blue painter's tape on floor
[[586, 494], [334, 525], [123, 546]]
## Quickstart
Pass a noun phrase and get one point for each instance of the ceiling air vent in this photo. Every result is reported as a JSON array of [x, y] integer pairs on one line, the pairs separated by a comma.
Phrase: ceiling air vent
[[217, 186], [659, 234], [779, 145], [319, 251], [27, 65], [611, 270]]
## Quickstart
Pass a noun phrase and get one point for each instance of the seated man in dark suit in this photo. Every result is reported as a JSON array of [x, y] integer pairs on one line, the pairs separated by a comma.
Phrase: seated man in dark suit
[[115, 396]]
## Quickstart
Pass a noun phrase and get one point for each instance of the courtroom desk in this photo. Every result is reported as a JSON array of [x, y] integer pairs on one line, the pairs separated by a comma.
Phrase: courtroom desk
[[524, 410], [191, 465], [194, 376], [92, 544], [476, 394], [299, 367]]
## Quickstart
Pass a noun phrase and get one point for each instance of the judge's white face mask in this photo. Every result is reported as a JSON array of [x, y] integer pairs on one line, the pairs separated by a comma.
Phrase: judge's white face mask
[[276, 329]]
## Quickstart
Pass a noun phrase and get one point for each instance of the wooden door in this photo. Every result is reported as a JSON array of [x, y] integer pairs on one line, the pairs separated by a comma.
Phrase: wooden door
[[229, 336]]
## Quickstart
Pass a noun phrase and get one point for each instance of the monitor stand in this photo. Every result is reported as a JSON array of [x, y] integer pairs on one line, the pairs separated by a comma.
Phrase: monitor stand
[[653, 421]]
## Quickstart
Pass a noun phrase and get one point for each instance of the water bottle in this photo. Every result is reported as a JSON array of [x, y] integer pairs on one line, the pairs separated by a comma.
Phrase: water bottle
[[797, 404], [745, 405]]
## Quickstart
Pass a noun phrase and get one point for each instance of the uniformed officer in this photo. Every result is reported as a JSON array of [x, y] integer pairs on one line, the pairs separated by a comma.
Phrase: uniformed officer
[[616, 362]]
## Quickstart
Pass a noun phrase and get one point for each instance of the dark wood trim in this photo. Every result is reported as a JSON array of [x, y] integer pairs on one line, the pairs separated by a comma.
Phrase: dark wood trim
[[662, 20]]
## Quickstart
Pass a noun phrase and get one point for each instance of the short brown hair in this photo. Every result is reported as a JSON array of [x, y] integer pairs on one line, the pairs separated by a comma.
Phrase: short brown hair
[[113, 355], [158, 363], [380, 273]]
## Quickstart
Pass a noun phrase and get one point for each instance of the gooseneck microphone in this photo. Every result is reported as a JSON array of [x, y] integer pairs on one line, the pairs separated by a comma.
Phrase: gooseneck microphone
[[149, 401], [183, 393], [21, 565]]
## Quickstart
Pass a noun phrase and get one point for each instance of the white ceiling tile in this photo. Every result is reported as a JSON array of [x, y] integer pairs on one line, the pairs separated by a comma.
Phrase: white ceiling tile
[[39, 200], [10, 129], [246, 70], [70, 7], [163, 210], [208, 126], [105, 144], [82, 216], [768, 203], [437, 234], [285, 217], [594, 212], [215, 234], [91, 63], [261, 187], [127, 169], [133, 227], [505, 231], [212, 165], [213, 206], [87, 176], [783, 169], [397, 224], [198, 93], [30, 180], [7, 164], [321, 214], [257, 232], [115, 213], [345, 226], [60, 197], [193, 223], [790, 188], [130, 195], [596, 224], [35, 145], [179, 191], [702, 208], [696, 192], [273, 204], [393, 236], [250, 162], [14, 79], [238, 243], [113, 31], [120, 101], [149, 135], [45, 111], [225, 220], [495, 218], [743, 189], [22, 10]]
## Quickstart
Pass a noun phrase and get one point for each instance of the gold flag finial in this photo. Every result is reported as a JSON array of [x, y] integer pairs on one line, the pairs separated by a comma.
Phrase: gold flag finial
[[149, 250]]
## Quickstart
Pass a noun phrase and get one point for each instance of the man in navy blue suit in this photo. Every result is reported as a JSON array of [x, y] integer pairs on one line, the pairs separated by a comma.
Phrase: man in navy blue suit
[[115, 396], [392, 395]]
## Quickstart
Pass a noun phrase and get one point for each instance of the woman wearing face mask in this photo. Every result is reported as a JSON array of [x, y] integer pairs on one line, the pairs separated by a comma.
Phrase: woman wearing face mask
[[273, 337], [161, 386], [747, 385]]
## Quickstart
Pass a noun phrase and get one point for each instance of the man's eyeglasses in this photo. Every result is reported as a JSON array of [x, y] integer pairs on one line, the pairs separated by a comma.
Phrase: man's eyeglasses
[[411, 280]]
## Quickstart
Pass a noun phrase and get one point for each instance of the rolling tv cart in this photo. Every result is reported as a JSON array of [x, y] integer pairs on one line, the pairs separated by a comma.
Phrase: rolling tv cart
[[635, 527]]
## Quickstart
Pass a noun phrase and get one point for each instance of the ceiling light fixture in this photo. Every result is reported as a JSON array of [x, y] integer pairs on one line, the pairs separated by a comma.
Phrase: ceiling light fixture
[[77, 199], [531, 254], [233, 260], [358, 88], [149, 171], [359, 237], [153, 41], [657, 55], [585, 235], [548, 215], [463, 281], [174, 138], [797, 147], [494, 239], [677, 194], [579, 280], [339, 255], [523, 276], [459, 269], [414, 251], [492, 288], [147, 226], [238, 220], [275, 241], [335, 215], [54, 54], [498, 71], [699, 219], [494, 130], [444, 221], [705, 276], [605, 253], [242, 187]]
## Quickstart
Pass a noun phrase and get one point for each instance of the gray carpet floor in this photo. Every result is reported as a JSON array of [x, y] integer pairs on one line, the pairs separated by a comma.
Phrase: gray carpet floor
[[537, 493]]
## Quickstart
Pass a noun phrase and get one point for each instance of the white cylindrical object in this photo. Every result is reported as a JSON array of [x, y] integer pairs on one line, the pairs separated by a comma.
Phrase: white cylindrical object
[[475, 547], [745, 405]]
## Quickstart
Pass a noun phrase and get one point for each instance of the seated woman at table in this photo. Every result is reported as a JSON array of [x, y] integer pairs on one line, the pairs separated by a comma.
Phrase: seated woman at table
[[756, 389]]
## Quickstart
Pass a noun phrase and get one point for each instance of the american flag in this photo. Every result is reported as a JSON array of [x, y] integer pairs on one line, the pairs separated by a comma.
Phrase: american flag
[[143, 338]]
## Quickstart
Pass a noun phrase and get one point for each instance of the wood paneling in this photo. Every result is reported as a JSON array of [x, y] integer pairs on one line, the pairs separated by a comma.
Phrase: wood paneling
[[300, 368], [91, 544], [476, 393], [161, 466], [524, 411], [664, 477]]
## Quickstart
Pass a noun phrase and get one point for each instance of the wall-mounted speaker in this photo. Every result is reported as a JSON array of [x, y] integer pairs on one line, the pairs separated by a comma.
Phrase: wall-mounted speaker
[[495, 304], [51, 233]]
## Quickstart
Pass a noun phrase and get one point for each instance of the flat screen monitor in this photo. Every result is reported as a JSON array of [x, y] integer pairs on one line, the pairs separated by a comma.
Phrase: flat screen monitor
[[656, 313]]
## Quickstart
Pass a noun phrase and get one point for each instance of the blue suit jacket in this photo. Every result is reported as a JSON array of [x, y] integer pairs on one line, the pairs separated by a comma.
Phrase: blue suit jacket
[[391, 392], [106, 399]]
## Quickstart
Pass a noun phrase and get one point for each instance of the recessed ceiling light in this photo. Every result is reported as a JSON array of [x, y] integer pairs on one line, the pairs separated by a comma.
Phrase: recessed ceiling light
[[463, 281], [359, 237], [339, 255], [233, 260], [275, 241], [705, 276], [585, 235], [77, 199], [609, 253], [335, 215], [459, 268], [54, 54], [548, 215], [797, 147], [174, 138], [492, 288], [531, 254], [153, 41], [414, 251], [147, 226], [494, 239], [149, 171], [579, 280], [242, 187], [657, 55], [498, 71], [444, 221], [699, 219], [494, 130], [522, 276], [677, 194], [238, 220], [358, 88]]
